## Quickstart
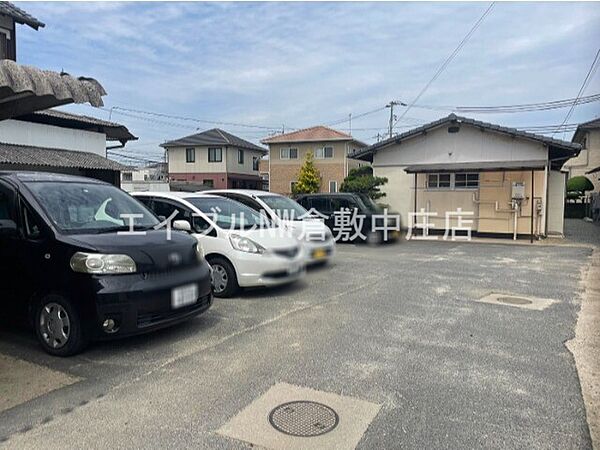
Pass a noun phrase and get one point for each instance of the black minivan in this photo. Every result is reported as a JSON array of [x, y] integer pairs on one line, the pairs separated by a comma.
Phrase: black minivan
[[86, 261], [372, 214]]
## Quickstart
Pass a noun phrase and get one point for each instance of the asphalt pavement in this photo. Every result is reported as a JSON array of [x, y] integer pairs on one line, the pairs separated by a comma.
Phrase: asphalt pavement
[[399, 326]]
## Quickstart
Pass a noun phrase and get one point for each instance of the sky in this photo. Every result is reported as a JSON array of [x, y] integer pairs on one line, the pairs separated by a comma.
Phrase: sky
[[274, 66]]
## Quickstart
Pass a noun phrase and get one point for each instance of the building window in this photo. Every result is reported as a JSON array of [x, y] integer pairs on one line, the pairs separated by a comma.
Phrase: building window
[[255, 163], [215, 154], [324, 153], [288, 153], [190, 155], [333, 186], [240, 156], [127, 176], [208, 183], [466, 180], [438, 181]]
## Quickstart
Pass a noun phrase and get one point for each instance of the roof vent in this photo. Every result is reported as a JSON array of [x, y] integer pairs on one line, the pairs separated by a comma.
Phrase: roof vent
[[453, 129]]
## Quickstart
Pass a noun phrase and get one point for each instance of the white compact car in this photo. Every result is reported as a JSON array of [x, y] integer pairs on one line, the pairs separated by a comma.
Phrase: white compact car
[[311, 231], [243, 247]]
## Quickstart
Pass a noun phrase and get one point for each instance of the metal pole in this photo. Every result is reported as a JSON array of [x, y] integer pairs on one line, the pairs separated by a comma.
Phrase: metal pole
[[532, 204], [350, 123]]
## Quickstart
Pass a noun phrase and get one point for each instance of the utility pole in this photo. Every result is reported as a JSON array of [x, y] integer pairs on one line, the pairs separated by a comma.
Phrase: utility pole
[[350, 123], [392, 117]]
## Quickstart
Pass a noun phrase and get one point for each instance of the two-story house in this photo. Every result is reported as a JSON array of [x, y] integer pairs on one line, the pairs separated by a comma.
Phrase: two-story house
[[588, 136], [33, 137], [330, 149], [216, 159], [10, 15]]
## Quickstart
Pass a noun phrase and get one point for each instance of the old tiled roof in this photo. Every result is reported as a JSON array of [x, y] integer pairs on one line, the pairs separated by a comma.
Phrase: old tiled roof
[[24, 89], [114, 131], [312, 134], [40, 156], [215, 136], [20, 16], [567, 148], [591, 124]]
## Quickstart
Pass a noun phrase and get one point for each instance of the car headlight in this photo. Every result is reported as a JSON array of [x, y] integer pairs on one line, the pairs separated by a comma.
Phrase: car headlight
[[100, 263], [199, 252], [244, 244]]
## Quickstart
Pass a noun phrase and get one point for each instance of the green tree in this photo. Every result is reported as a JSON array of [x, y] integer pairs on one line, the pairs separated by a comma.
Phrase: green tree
[[577, 186], [309, 178], [361, 180]]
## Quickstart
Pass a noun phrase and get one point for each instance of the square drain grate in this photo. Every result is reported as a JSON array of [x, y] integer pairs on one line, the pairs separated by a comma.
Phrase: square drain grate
[[294, 417], [518, 301]]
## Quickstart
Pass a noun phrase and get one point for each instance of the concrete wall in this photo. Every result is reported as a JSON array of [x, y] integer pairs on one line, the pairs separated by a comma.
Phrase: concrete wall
[[145, 186], [41, 135], [556, 202], [589, 158]]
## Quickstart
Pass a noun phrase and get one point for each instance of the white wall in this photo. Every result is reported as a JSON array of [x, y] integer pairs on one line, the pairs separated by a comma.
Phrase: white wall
[[147, 186], [556, 201], [40, 135], [469, 145]]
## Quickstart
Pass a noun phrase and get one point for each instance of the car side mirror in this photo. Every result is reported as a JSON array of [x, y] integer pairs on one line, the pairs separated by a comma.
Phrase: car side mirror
[[182, 225], [8, 228]]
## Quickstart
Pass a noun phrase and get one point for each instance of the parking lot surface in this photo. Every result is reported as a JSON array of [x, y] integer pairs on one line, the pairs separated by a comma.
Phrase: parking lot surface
[[399, 326]]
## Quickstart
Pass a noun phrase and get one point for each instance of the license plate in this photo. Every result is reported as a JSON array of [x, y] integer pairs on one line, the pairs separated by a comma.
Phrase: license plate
[[319, 253], [294, 270], [184, 295]]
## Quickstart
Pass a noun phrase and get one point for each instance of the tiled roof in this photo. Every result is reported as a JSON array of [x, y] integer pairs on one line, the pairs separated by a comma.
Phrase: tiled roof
[[312, 134], [24, 89], [40, 156], [452, 118], [19, 15], [114, 131], [215, 136], [591, 124]]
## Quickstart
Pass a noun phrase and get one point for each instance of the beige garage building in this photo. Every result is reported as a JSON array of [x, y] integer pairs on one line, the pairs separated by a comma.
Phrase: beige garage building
[[508, 180]]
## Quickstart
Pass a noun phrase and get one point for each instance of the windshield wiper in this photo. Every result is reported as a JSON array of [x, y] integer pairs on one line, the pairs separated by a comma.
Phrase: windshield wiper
[[124, 228]]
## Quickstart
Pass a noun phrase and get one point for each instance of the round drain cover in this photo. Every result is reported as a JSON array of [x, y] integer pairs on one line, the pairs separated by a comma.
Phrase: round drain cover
[[515, 300], [303, 418]]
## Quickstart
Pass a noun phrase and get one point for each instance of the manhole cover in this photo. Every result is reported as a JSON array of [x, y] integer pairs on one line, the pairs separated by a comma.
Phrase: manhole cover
[[515, 300], [303, 418]]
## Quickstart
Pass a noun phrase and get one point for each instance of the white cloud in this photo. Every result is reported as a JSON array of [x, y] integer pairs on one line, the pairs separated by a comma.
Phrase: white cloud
[[304, 63]]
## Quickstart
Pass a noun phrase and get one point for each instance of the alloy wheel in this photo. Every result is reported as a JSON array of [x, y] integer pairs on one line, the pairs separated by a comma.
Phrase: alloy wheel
[[220, 278], [55, 325]]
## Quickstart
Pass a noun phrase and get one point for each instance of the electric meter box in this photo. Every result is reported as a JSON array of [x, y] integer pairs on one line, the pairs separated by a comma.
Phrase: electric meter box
[[518, 190]]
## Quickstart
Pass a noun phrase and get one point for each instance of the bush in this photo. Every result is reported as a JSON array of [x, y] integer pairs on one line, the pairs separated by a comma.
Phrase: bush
[[579, 184], [362, 181]]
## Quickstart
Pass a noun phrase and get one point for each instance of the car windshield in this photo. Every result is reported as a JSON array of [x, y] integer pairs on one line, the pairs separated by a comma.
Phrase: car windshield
[[77, 208], [369, 203], [229, 214], [284, 207]]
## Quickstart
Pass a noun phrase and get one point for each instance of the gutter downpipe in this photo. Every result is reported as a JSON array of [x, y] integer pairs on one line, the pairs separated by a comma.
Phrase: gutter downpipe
[[415, 207], [532, 204]]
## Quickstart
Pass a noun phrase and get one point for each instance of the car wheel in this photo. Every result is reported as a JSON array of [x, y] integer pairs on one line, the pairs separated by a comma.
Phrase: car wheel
[[224, 278], [58, 326], [374, 238]]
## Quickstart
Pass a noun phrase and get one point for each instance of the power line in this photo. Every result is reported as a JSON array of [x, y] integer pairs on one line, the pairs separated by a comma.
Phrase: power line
[[447, 61], [193, 119], [586, 81], [525, 107]]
